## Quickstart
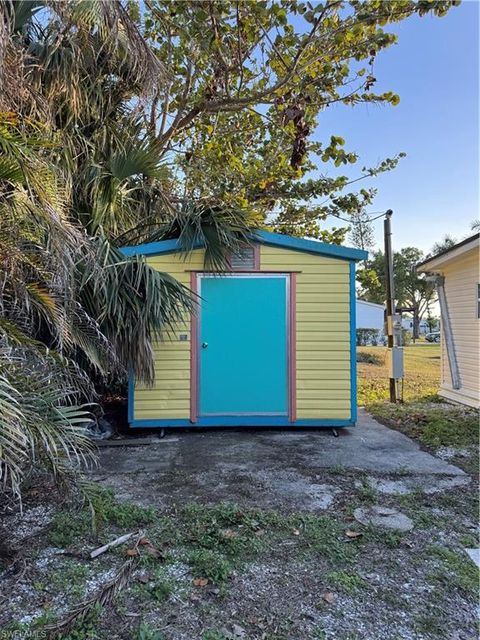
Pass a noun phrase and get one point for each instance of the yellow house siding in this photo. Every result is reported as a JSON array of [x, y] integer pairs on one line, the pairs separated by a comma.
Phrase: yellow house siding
[[322, 338], [322, 331], [461, 279], [170, 395]]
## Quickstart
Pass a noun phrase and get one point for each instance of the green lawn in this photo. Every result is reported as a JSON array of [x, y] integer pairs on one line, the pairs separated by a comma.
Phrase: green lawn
[[422, 373]]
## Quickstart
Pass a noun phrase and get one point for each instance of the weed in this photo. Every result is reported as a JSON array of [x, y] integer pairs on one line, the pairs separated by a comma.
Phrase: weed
[[86, 628], [389, 538], [434, 426], [366, 492], [324, 536], [70, 526], [226, 527], [468, 541], [392, 598], [145, 632], [206, 563], [431, 621], [338, 470], [69, 578], [348, 582], [211, 634], [124, 515]]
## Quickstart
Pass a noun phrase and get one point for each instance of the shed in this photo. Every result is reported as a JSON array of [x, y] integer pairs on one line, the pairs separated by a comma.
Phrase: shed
[[271, 343], [457, 277]]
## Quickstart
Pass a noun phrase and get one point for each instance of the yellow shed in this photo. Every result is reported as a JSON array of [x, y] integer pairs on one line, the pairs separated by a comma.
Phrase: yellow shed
[[271, 343]]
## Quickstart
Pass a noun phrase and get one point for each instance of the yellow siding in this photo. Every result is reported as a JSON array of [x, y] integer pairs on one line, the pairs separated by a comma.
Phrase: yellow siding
[[323, 330], [170, 395], [322, 338], [461, 279]]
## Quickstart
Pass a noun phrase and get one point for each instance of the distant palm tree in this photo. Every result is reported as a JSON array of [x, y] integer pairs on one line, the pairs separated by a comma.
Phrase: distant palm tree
[[447, 243]]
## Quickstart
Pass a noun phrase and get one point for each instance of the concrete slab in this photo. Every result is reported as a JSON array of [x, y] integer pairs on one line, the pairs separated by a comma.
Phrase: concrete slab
[[383, 517], [474, 555], [369, 447], [409, 484]]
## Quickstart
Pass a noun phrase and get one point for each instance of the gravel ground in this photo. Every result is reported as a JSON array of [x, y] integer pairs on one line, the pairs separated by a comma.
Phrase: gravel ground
[[300, 566]]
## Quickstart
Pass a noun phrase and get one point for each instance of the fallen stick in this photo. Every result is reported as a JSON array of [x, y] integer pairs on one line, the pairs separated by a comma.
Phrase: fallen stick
[[102, 598], [109, 545]]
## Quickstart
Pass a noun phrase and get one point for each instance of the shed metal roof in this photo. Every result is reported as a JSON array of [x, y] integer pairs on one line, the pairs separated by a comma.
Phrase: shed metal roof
[[264, 237]]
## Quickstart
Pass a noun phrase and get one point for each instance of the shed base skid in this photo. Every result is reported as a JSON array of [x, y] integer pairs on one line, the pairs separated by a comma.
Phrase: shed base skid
[[241, 421]]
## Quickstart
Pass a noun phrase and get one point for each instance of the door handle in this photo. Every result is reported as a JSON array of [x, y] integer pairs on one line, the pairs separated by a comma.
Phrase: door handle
[[204, 345]]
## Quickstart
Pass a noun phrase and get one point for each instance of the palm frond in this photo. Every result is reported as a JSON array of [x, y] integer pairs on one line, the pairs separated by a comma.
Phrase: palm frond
[[135, 160], [135, 304], [38, 425], [221, 230]]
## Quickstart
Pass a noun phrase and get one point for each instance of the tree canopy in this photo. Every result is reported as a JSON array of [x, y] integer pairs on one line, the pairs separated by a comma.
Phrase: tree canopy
[[411, 289], [247, 84]]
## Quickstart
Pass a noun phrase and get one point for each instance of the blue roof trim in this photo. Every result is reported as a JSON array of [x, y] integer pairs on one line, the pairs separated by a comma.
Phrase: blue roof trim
[[153, 248], [265, 237], [311, 246]]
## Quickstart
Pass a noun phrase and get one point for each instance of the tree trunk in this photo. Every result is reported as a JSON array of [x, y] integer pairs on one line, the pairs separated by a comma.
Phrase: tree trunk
[[416, 324]]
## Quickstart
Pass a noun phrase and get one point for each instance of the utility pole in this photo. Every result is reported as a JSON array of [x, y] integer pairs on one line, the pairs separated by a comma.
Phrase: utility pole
[[394, 321]]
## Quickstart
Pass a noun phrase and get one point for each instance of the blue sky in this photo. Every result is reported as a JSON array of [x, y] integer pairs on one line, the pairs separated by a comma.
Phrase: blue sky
[[434, 69]]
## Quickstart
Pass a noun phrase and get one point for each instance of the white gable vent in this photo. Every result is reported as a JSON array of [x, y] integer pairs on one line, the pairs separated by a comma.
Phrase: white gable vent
[[243, 260]]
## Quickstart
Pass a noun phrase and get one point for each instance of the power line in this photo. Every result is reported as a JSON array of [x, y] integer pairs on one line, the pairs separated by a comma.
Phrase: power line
[[351, 221]]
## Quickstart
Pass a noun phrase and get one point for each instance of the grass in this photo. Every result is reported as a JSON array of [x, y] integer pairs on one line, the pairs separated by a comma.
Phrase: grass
[[222, 538], [67, 527], [423, 415], [422, 373], [457, 570], [213, 540], [157, 584], [211, 634], [145, 632], [207, 563], [366, 492], [435, 426], [70, 580], [347, 582], [219, 542]]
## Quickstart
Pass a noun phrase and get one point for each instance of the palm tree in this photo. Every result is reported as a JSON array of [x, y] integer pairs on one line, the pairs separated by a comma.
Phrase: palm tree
[[79, 178], [72, 308]]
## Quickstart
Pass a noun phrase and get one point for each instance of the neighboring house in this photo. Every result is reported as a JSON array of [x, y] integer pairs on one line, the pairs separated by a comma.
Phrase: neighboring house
[[370, 315], [457, 278]]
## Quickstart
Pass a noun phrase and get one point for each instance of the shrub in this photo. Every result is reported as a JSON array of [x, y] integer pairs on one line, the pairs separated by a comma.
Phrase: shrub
[[366, 337], [369, 358]]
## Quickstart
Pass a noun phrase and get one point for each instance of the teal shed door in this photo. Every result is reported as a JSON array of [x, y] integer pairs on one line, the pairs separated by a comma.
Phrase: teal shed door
[[243, 354]]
